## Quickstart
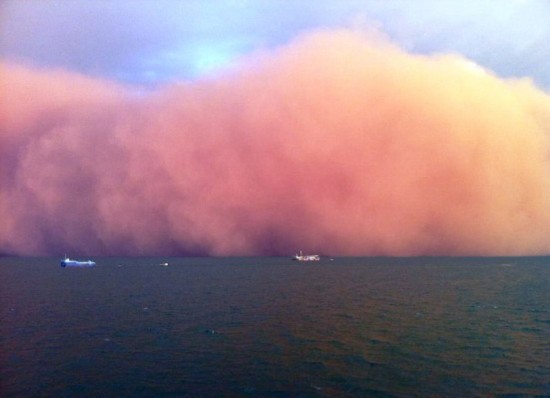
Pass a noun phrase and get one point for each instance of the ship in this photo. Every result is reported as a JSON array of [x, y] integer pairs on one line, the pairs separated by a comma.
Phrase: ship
[[306, 257], [67, 262]]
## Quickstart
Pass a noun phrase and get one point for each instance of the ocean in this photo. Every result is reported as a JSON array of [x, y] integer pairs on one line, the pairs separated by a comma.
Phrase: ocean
[[271, 327]]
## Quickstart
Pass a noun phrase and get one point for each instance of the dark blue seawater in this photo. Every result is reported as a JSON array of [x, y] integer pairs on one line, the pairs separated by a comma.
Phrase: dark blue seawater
[[270, 327]]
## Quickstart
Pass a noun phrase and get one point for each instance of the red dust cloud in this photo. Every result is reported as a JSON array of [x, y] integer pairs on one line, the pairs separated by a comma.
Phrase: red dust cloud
[[338, 143]]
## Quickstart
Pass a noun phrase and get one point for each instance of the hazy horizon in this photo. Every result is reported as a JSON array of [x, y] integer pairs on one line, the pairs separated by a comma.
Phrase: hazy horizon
[[243, 128]]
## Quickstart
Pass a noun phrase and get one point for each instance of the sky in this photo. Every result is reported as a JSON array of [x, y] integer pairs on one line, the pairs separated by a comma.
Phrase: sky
[[152, 42], [267, 127]]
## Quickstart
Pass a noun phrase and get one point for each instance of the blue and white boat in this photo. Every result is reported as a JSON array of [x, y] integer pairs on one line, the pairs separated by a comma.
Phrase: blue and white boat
[[67, 262]]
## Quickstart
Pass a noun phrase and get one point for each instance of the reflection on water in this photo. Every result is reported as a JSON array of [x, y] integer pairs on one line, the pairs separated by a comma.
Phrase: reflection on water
[[272, 327]]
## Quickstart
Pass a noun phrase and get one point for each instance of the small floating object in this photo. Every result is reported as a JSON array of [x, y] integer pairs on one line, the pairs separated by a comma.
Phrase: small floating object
[[67, 262], [164, 264]]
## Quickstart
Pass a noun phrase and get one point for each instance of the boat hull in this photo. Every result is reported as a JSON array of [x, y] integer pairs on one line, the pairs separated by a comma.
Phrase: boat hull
[[74, 263], [307, 257]]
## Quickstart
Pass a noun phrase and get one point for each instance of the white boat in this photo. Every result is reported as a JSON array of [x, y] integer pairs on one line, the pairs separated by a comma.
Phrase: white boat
[[306, 257], [67, 262]]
